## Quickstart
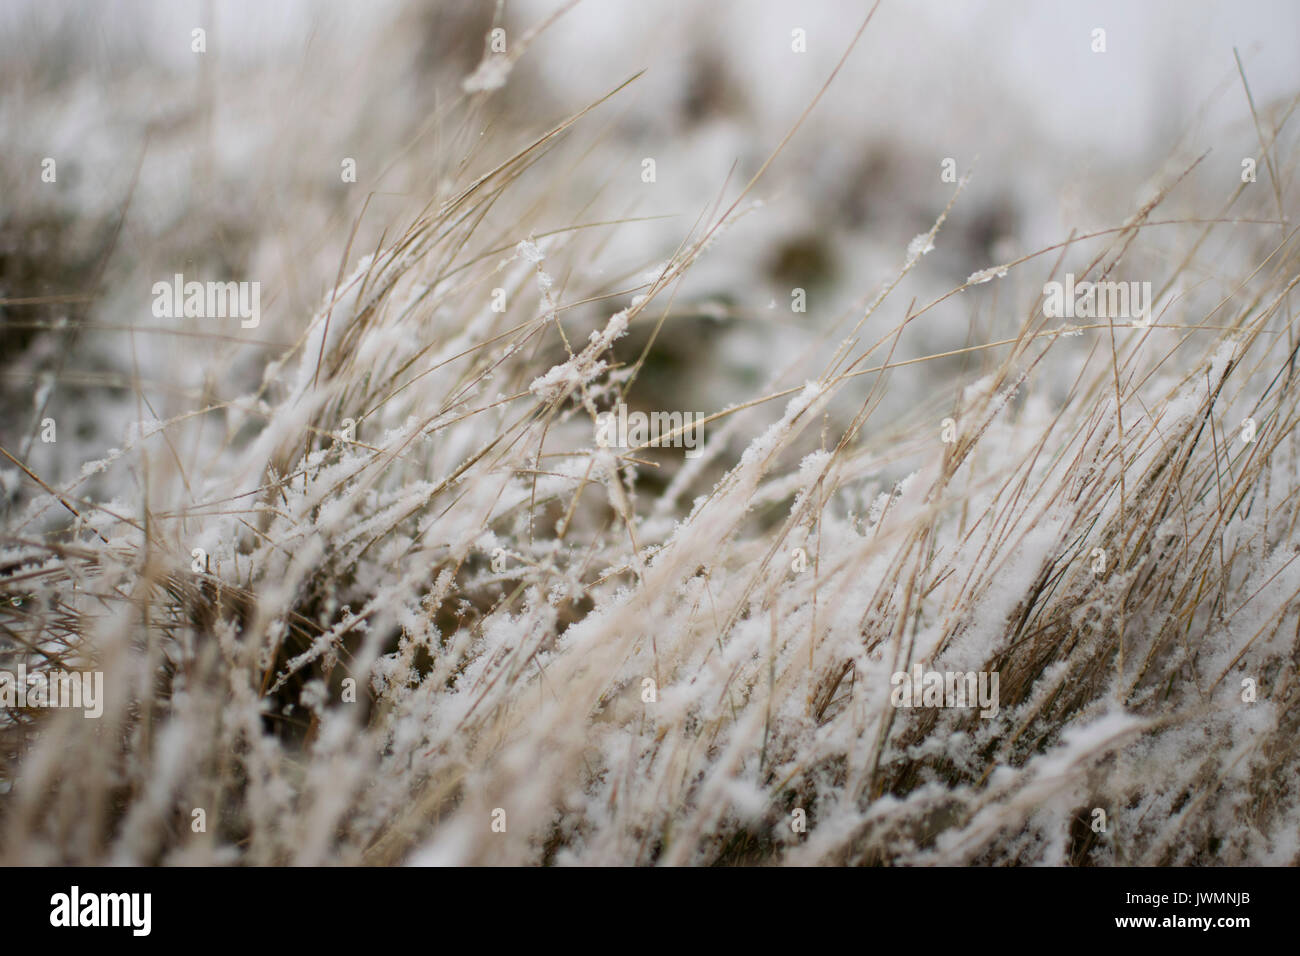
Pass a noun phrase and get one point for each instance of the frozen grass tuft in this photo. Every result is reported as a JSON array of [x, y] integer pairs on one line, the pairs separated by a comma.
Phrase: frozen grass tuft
[[410, 595]]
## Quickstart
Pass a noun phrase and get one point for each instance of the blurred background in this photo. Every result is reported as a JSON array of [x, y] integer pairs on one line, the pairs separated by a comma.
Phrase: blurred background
[[225, 164]]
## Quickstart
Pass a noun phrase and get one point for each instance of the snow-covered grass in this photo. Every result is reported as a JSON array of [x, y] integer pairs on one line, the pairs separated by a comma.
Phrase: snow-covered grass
[[397, 605]]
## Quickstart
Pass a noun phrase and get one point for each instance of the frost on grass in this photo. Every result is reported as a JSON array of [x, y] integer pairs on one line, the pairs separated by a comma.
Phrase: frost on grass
[[920, 245], [987, 275], [468, 607]]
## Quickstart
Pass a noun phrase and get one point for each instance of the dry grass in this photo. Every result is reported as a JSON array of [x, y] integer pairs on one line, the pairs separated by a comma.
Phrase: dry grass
[[370, 558]]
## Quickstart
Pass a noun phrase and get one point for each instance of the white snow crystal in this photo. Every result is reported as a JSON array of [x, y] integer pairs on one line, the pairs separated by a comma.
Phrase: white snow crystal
[[986, 275], [919, 246]]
